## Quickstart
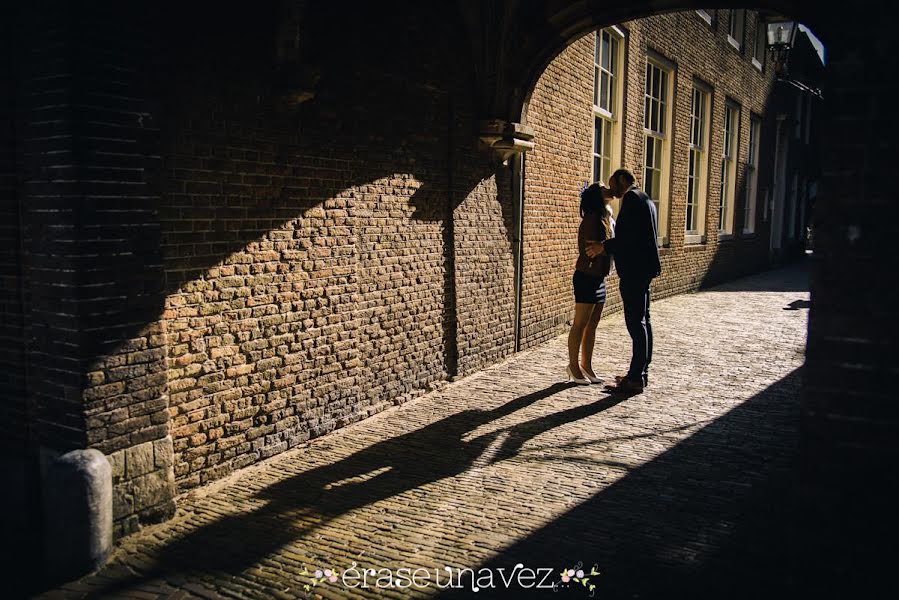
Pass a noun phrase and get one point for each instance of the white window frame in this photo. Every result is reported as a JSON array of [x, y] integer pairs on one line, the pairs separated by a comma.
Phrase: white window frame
[[660, 110], [752, 175], [733, 30], [758, 54], [698, 163], [728, 170], [609, 116]]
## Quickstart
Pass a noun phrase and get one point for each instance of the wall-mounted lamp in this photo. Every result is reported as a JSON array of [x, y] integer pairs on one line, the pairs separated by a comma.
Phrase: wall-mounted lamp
[[781, 36]]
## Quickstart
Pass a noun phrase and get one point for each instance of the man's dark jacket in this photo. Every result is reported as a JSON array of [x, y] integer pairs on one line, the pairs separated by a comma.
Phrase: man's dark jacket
[[635, 246]]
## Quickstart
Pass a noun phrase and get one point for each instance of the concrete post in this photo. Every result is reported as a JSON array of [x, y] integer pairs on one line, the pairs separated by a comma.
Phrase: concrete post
[[77, 514]]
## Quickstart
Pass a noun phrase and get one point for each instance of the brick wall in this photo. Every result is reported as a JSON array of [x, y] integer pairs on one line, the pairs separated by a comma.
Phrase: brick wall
[[849, 416], [13, 422], [311, 267], [560, 111], [219, 270], [484, 273], [92, 272]]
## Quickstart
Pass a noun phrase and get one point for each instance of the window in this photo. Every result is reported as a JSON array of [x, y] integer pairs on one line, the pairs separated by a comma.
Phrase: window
[[752, 164], [656, 138], [697, 175], [758, 52], [728, 170], [735, 30], [607, 69]]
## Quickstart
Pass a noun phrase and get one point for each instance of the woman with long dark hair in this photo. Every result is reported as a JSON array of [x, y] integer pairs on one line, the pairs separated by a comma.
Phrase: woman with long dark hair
[[589, 282]]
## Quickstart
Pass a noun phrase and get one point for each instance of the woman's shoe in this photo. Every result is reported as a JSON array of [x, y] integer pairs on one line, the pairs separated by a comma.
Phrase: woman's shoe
[[590, 378], [571, 377]]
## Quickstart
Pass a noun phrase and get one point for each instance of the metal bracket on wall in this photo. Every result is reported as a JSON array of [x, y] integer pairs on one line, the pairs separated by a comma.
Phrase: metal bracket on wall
[[503, 139]]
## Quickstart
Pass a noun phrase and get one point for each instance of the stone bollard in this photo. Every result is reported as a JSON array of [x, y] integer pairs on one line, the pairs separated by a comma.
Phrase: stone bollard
[[77, 514]]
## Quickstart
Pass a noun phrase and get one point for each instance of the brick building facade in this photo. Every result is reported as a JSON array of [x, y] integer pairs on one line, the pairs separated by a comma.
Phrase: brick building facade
[[695, 50], [264, 261], [217, 243]]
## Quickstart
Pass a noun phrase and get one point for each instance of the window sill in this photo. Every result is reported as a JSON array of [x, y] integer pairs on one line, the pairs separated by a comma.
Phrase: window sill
[[705, 17], [733, 42], [756, 64], [749, 233], [693, 239], [662, 242], [725, 237]]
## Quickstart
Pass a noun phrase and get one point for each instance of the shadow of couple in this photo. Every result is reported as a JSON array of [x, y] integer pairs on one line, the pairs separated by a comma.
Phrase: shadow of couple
[[297, 506]]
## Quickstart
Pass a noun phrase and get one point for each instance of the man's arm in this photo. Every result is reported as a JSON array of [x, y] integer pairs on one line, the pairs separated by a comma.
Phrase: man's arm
[[623, 232]]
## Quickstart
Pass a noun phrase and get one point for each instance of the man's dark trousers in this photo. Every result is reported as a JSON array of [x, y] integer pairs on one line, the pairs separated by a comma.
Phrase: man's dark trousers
[[635, 297]]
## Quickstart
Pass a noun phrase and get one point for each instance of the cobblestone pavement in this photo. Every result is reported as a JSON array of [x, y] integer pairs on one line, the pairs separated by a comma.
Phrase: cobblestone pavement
[[683, 491]]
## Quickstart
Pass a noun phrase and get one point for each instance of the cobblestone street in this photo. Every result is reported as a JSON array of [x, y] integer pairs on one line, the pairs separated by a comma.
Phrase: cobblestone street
[[683, 491]]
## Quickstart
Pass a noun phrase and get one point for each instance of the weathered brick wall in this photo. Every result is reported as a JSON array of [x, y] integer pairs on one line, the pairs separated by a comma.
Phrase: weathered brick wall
[[849, 412], [310, 267], [92, 270], [561, 114], [46, 197], [704, 52], [484, 274], [560, 110], [123, 357], [12, 353]]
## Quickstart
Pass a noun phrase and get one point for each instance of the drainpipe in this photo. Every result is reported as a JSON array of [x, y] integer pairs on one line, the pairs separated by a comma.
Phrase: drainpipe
[[507, 142], [517, 236]]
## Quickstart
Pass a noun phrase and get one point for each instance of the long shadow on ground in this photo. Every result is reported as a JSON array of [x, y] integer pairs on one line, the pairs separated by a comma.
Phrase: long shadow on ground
[[296, 507], [713, 517]]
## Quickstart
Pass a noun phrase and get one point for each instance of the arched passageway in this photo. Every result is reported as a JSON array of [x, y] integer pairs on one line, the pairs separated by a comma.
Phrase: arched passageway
[[102, 351]]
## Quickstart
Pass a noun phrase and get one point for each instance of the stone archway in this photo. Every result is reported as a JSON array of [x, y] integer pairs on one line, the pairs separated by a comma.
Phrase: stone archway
[[848, 418]]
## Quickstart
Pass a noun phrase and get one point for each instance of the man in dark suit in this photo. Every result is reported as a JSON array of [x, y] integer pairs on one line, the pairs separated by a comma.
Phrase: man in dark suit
[[636, 254]]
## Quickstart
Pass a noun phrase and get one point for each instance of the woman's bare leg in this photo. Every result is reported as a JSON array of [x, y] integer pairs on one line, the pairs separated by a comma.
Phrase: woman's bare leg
[[589, 339], [581, 318]]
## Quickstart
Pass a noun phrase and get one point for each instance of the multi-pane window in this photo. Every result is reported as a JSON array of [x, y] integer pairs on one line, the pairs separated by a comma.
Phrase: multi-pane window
[[758, 53], [755, 126], [602, 149], [605, 71], [606, 99], [736, 22], [696, 160], [655, 128], [657, 137], [728, 174]]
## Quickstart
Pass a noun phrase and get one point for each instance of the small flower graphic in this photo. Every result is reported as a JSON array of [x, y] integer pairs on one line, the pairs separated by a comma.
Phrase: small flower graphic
[[577, 574]]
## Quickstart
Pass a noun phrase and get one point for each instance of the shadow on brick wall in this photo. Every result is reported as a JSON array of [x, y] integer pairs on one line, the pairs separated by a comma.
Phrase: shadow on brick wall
[[224, 142]]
